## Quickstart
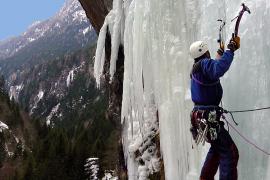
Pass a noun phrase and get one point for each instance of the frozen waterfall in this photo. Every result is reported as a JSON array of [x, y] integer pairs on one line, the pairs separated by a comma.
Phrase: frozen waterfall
[[156, 35]]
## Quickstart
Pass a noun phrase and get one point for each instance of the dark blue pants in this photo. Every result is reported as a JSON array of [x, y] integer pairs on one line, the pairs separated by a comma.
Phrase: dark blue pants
[[223, 154]]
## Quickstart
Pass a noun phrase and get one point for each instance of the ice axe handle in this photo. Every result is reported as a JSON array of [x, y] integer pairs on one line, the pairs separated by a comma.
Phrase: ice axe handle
[[239, 17]]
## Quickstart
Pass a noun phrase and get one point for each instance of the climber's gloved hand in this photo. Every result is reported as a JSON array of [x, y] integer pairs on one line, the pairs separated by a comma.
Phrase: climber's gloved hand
[[234, 44], [220, 51]]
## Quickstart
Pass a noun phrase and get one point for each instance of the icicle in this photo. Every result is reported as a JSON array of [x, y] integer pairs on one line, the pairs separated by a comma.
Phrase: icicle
[[100, 53], [113, 21], [116, 35]]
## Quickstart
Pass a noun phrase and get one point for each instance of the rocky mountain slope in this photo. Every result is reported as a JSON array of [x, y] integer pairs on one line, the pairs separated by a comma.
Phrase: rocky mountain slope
[[17, 134], [47, 68], [49, 72]]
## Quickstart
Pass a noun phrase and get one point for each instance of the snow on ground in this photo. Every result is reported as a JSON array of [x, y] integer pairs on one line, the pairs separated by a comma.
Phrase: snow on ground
[[70, 77], [91, 168], [36, 101], [72, 72], [79, 16], [109, 175], [57, 25], [34, 24], [3, 126], [40, 95], [31, 39], [86, 30], [19, 48], [14, 91], [53, 113]]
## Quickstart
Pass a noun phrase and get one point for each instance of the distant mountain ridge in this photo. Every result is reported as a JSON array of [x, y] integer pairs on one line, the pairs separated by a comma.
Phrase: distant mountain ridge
[[42, 64], [68, 30]]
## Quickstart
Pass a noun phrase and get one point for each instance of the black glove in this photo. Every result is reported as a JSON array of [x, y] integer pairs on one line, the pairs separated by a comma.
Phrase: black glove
[[220, 51]]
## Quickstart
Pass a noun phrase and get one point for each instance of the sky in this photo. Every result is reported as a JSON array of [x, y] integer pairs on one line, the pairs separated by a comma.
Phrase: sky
[[17, 15]]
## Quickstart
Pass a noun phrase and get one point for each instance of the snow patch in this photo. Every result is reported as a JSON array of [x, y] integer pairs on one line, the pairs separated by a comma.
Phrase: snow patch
[[34, 24], [79, 16], [40, 95], [19, 48], [31, 39], [14, 91], [52, 113], [57, 25], [70, 77], [3, 126], [109, 175], [86, 30], [92, 168], [36, 101]]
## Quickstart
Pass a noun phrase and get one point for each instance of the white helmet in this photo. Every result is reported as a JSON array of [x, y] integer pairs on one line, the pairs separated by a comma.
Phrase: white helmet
[[197, 49]]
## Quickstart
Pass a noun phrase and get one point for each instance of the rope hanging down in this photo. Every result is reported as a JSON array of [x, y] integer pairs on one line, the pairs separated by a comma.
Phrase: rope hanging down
[[246, 139], [239, 133]]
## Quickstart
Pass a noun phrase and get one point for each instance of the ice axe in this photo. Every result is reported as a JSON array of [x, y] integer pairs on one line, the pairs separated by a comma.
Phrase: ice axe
[[220, 35], [239, 17]]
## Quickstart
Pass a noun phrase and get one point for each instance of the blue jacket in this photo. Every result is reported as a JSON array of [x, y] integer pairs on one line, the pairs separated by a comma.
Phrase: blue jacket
[[205, 86]]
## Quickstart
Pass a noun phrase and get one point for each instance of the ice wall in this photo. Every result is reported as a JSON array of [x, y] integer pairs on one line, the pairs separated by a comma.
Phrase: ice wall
[[247, 85], [157, 35]]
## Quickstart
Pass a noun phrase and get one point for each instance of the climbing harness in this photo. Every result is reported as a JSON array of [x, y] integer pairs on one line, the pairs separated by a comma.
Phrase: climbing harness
[[239, 17], [205, 125], [201, 133]]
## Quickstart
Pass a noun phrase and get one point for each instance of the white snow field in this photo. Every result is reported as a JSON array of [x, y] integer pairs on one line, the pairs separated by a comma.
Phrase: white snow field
[[156, 35]]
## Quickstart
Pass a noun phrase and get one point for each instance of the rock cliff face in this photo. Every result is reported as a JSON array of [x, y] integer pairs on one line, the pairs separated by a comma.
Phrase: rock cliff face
[[96, 11]]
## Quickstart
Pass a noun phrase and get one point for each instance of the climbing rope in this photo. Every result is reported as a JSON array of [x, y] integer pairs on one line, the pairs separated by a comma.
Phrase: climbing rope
[[249, 110], [246, 139], [238, 132]]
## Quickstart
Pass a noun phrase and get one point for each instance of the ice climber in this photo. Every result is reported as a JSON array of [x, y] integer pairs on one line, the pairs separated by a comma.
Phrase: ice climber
[[206, 92]]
